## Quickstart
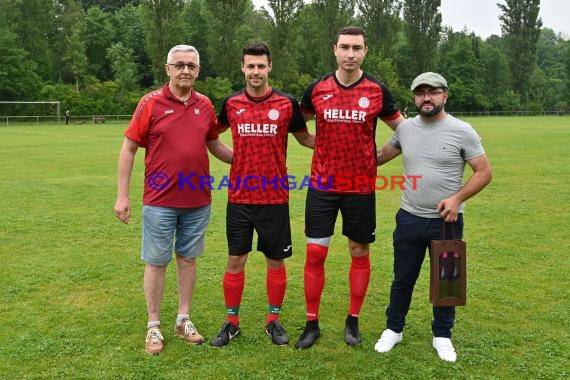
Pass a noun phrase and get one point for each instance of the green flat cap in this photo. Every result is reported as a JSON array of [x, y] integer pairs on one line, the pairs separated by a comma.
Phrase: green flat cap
[[429, 79]]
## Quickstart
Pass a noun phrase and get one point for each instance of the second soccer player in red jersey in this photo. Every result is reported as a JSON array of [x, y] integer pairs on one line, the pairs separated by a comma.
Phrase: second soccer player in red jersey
[[346, 105], [260, 119]]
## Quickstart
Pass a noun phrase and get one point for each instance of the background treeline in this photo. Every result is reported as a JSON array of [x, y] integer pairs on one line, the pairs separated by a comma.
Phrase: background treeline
[[99, 57]]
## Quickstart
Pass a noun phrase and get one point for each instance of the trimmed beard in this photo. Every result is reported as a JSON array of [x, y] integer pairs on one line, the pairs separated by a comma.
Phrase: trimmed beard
[[435, 110]]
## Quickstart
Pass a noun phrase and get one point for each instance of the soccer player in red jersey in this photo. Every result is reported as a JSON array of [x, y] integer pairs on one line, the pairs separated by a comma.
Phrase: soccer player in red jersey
[[174, 124], [346, 105], [260, 119]]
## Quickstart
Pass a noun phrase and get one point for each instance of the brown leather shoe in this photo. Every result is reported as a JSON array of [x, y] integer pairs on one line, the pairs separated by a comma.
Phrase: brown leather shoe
[[154, 341], [188, 332]]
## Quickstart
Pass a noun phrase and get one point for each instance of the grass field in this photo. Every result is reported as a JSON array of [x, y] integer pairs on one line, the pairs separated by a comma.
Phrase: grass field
[[72, 305]]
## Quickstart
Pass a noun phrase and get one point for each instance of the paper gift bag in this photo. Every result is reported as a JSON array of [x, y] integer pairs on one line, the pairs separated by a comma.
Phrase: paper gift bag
[[448, 280]]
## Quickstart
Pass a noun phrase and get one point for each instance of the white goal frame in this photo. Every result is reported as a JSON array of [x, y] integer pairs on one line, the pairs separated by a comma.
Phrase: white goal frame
[[57, 103]]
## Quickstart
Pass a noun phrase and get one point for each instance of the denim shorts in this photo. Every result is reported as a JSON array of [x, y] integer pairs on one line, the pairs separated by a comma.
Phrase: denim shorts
[[161, 225]]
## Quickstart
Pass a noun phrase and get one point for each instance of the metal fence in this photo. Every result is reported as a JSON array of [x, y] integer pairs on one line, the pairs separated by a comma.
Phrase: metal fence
[[74, 119], [101, 119], [499, 113], [510, 113]]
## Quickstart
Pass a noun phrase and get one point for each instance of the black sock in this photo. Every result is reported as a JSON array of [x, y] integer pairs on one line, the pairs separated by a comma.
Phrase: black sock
[[351, 320], [312, 325]]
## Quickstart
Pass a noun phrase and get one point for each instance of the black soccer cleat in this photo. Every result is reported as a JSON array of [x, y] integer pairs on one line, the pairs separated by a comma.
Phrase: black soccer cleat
[[277, 333], [227, 333], [352, 335], [308, 337]]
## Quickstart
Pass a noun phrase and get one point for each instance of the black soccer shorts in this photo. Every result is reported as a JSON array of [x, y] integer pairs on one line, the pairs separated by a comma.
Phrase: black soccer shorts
[[271, 222], [358, 215]]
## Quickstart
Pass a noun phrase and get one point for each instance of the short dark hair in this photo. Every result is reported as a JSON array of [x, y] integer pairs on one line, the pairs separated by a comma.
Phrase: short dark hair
[[351, 31], [256, 48]]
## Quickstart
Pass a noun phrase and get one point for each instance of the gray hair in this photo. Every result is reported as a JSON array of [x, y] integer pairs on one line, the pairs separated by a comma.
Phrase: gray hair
[[182, 48]]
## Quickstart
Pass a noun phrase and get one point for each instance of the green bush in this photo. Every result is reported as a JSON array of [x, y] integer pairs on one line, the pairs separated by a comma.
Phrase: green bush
[[216, 89]]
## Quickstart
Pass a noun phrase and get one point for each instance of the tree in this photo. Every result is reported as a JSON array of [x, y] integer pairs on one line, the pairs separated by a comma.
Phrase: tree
[[129, 26], [35, 28], [18, 78], [422, 28], [311, 40], [331, 16], [566, 51], [197, 31], [461, 65], [108, 5], [216, 88], [229, 31], [98, 35], [381, 20], [75, 56], [521, 29], [68, 15], [550, 61], [495, 75], [165, 28], [124, 68], [78, 49]]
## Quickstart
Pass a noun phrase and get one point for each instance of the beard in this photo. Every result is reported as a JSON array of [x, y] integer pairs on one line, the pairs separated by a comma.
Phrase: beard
[[434, 111]]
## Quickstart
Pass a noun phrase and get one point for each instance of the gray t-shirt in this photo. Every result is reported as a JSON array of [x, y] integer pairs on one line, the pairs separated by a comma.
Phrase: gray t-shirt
[[437, 152]]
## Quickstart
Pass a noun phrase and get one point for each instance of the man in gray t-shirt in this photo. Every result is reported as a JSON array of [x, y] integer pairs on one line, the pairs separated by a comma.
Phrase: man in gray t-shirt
[[435, 147]]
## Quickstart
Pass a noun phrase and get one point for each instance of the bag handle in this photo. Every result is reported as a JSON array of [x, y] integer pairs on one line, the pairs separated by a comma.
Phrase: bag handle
[[443, 231]]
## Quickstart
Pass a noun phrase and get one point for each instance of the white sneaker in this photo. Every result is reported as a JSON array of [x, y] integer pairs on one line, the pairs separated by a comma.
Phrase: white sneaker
[[387, 341], [444, 349]]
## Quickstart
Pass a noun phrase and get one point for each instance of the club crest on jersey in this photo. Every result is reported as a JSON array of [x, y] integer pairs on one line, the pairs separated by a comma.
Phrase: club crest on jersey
[[273, 114], [364, 102], [196, 111]]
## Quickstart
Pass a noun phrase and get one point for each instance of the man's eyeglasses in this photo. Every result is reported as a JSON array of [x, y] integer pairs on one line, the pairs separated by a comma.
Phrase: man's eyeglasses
[[430, 93], [180, 66]]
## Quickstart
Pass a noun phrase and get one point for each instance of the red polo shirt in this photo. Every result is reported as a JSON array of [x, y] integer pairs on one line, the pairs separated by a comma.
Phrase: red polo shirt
[[174, 135]]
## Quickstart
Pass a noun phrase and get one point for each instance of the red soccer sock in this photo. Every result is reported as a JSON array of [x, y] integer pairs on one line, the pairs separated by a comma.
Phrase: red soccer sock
[[276, 285], [233, 290], [314, 278], [359, 277]]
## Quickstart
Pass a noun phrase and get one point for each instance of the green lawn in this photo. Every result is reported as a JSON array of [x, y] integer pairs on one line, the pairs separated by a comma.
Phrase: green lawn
[[72, 305]]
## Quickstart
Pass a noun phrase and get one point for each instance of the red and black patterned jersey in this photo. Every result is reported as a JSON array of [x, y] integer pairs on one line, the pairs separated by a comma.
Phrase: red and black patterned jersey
[[174, 135], [346, 120], [260, 129]]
